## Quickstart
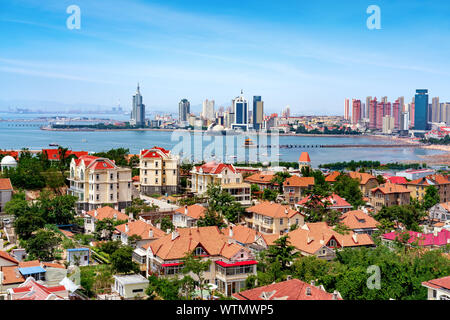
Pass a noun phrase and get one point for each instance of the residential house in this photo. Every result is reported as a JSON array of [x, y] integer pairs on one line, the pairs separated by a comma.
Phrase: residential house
[[78, 256], [30, 289], [130, 286], [98, 181], [54, 155], [6, 260], [293, 289], [230, 266], [158, 171], [438, 289], [99, 214], [440, 211], [359, 222], [270, 217], [331, 177], [366, 181], [187, 216], [245, 236], [295, 186], [261, 179], [433, 240], [221, 174], [144, 229], [419, 186], [334, 202], [389, 194], [6, 191], [321, 240]]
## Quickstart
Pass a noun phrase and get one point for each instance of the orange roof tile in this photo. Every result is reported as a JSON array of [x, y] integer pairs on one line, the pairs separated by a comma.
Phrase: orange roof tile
[[389, 188], [140, 228], [293, 289], [5, 255], [194, 211], [261, 177], [357, 219], [5, 184], [332, 176], [362, 177], [440, 283], [272, 209], [242, 234], [209, 238], [296, 181], [304, 157], [11, 275], [107, 212]]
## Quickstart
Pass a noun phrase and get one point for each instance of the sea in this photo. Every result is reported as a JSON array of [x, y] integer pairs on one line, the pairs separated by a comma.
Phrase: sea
[[19, 131]]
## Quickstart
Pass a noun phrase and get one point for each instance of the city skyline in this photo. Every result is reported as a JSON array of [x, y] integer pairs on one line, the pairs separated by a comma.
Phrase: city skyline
[[177, 50]]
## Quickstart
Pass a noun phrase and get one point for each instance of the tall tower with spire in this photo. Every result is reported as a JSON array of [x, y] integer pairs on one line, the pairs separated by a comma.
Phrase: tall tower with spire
[[138, 110]]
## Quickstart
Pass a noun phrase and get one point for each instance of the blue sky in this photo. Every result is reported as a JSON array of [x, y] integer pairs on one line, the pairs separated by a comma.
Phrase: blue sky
[[310, 55]]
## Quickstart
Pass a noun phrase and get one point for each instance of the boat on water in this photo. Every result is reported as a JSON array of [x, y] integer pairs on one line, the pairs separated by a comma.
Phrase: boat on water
[[248, 143]]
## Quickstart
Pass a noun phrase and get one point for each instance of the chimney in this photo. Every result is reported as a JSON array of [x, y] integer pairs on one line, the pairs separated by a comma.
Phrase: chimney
[[335, 295], [130, 216], [230, 241], [115, 216], [308, 291], [231, 232], [288, 277], [168, 231], [185, 209], [175, 234], [95, 213], [313, 282], [355, 237], [286, 211], [158, 225], [127, 229], [150, 233]]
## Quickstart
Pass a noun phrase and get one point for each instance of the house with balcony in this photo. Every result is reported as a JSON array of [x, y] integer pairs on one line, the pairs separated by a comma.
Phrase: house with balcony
[[419, 186], [230, 266], [321, 240], [295, 186], [98, 181], [269, 217], [221, 174], [389, 194], [158, 171]]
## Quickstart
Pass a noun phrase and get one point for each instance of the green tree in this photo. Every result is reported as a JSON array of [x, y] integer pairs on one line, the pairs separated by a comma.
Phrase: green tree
[[431, 197], [282, 253], [104, 229], [269, 194], [166, 224], [211, 218], [42, 245], [348, 189], [122, 262], [197, 266], [278, 180]]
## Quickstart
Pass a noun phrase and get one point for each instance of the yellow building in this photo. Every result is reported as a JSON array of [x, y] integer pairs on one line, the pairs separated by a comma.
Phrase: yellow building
[[419, 186], [273, 218], [98, 181], [159, 172]]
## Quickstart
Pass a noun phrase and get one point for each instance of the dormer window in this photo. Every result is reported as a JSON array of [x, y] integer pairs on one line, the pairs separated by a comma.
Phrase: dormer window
[[199, 251]]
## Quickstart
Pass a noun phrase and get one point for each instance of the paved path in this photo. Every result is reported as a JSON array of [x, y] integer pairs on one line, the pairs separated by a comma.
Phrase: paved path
[[163, 205]]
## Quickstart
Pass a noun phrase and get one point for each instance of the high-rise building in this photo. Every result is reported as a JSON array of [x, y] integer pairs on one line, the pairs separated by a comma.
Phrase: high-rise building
[[380, 114], [138, 110], [347, 109], [387, 109], [240, 108], [388, 124], [258, 112], [356, 111], [396, 110], [401, 101], [368, 99], [435, 110], [445, 112], [404, 121], [384, 99], [184, 109], [421, 109], [373, 113], [208, 109]]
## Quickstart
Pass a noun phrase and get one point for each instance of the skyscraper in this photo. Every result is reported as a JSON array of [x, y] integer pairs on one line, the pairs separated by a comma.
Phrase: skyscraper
[[356, 111], [184, 108], [379, 115], [240, 108], [347, 109], [208, 109], [373, 113], [138, 110], [258, 112], [396, 110], [435, 110], [368, 99], [421, 109]]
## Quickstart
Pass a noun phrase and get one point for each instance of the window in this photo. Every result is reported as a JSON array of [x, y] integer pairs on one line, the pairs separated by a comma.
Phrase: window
[[332, 243], [111, 176], [97, 176], [97, 187], [156, 164], [281, 221], [434, 293], [156, 180], [138, 290], [98, 197], [174, 172], [111, 196], [129, 185], [199, 251], [110, 187]]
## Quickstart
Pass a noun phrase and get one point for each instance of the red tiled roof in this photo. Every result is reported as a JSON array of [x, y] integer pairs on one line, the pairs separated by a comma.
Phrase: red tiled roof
[[13, 154], [5, 184], [215, 168], [236, 264], [272, 209], [332, 176], [357, 219], [53, 154], [294, 289], [441, 283], [362, 177], [194, 211], [140, 228], [304, 157], [334, 200], [397, 180], [260, 177], [5, 255], [296, 181], [388, 188], [107, 212]]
